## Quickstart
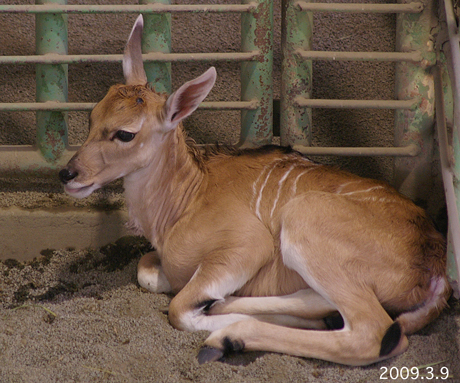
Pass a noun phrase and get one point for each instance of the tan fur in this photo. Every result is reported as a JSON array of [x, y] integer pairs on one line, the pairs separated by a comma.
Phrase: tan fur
[[247, 237]]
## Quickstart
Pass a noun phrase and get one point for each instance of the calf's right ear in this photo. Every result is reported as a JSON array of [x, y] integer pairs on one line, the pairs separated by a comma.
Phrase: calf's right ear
[[133, 67]]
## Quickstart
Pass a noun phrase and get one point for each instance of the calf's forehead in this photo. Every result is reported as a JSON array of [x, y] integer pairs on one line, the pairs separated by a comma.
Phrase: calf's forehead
[[123, 104]]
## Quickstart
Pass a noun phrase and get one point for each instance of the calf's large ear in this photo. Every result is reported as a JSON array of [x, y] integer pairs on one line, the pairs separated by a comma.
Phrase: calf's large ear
[[185, 100], [133, 67]]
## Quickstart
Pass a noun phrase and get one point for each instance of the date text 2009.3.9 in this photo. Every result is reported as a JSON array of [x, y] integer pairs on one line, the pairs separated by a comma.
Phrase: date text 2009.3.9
[[414, 373]]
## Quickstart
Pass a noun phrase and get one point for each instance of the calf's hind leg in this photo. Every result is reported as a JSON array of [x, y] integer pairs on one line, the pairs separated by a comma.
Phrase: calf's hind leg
[[314, 246], [369, 335], [360, 345]]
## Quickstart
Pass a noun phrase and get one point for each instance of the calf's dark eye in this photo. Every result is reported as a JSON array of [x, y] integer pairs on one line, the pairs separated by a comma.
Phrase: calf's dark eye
[[124, 136]]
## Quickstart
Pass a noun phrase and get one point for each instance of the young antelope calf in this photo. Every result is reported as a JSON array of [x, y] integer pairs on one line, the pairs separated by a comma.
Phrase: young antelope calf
[[262, 247]]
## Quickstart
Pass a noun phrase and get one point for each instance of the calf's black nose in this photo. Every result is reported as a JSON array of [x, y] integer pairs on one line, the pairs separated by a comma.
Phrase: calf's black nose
[[65, 175]]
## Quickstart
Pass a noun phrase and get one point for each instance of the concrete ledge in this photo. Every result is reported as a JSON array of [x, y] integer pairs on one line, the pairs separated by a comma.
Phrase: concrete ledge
[[24, 233]]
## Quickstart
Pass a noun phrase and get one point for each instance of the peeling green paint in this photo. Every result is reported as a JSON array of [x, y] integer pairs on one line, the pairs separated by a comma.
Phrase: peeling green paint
[[414, 81], [51, 82], [52, 130], [296, 75], [256, 75], [156, 37], [456, 160]]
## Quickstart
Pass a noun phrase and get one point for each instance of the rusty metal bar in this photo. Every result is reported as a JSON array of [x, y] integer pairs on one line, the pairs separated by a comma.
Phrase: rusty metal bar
[[156, 38], [19, 158], [296, 75], [51, 82], [451, 186], [52, 58], [257, 75], [25, 158], [409, 151], [88, 106], [414, 32], [360, 56], [414, 7], [46, 106], [454, 45], [355, 104], [150, 8]]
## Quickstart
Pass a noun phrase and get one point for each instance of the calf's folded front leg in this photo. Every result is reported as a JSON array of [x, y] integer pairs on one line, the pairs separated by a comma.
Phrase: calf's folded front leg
[[188, 310], [302, 309], [228, 265], [150, 274]]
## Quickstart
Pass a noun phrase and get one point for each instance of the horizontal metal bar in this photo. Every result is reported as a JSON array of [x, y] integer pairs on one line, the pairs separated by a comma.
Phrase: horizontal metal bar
[[25, 158], [360, 56], [52, 58], [46, 106], [87, 106], [414, 7], [144, 8], [408, 151], [229, 105], [355, 104]]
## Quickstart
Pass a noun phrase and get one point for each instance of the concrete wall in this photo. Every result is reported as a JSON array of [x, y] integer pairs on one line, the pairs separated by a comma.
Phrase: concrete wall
[[106, 34]]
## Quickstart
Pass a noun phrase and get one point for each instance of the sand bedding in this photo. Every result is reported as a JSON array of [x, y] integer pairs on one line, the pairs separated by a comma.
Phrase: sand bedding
[[80, 316]]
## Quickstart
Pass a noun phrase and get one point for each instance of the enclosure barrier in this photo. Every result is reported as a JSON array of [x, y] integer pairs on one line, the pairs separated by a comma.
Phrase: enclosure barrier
[[256, 72], [296, 101], [52, 150], [447, 85], [450, 179]]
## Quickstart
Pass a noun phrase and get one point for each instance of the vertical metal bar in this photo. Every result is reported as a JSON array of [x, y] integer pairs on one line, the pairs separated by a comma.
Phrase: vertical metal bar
[[453, 248], [444, 117], [51, 82], [256, 75], [454, 54], [296, 75], [456, 150], [157, 38], [412, 176]]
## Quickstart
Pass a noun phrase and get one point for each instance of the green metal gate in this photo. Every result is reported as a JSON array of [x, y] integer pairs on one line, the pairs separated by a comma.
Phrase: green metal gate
[[52, 150]]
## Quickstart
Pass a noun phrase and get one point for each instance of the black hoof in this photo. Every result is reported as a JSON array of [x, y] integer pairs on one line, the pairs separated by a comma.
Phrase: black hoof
[[209, 354], [391, 339], [334, 322]]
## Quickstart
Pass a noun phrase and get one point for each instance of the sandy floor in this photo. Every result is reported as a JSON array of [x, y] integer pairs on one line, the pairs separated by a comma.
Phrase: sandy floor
[[79, 316]]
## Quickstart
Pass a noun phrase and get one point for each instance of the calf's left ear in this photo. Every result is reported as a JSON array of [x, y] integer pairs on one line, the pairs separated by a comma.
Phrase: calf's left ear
[[185, 100]]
